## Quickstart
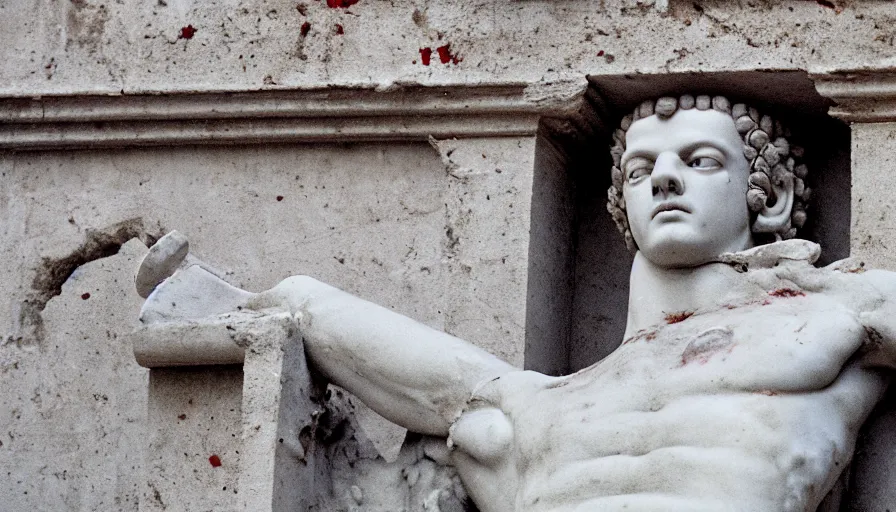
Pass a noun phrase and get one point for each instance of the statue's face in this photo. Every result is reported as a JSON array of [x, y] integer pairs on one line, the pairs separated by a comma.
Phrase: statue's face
[[685, 187]]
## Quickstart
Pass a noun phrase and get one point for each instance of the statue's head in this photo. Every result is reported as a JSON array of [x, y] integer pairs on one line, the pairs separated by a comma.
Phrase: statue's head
[[697, 177]]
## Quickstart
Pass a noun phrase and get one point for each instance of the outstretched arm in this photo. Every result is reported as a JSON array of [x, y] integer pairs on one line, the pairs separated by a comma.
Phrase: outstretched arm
[[411, 374]]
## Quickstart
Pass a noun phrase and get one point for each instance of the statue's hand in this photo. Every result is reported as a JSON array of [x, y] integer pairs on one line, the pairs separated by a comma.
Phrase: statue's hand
[[162, 260], [179, 287]]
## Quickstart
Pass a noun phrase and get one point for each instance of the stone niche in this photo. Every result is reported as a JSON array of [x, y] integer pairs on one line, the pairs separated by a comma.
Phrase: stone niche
[[578, 263]]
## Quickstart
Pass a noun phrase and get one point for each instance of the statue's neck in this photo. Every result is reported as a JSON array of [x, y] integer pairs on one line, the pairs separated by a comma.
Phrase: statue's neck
[[656, 292]]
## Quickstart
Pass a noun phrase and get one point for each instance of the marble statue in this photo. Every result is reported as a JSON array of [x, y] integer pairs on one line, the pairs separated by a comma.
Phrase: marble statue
[[744, 375]]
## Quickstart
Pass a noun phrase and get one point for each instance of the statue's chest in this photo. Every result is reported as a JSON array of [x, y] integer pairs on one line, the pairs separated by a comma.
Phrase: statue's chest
[[780, 343], [784, 345]]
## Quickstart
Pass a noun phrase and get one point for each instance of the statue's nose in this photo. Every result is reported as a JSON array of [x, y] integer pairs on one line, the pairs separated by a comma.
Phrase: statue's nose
[[666, 178]]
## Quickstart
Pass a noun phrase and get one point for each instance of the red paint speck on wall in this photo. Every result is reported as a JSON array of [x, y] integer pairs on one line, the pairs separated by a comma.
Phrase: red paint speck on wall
[[215, 461], [339, 29], [342, 4], [187, 32], [444, 53], [425, 56], [305, 28], [85, 296]]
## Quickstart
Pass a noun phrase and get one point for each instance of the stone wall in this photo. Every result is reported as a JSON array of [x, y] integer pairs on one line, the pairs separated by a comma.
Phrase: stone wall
[[129, 46]]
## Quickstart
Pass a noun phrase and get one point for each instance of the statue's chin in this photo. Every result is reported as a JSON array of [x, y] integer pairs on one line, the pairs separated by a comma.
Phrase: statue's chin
[[679, 246], [679, 254]]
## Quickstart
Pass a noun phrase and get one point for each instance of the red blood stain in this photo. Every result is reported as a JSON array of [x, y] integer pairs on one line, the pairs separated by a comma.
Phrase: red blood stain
[[786, 292], [279, 198], [85, 296], [339, 29], [600, 53], [444, 53], [681, 316], [305, 28], [643, 334], [187, 32], [425, 56], [341, 4], [215, 461], [182, 417]]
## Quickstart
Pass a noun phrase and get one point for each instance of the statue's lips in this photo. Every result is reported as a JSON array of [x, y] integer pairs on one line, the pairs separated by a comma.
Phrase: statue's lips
[[670, 206]]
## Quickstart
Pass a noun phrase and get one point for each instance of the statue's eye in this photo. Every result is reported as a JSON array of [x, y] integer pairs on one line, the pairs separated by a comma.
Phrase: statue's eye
[[704, 163], [637, 169]]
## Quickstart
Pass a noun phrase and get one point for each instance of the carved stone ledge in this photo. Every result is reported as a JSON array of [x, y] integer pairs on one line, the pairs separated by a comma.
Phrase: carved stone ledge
[[245, 430], [861, 96], [316, 115], [192, 343]]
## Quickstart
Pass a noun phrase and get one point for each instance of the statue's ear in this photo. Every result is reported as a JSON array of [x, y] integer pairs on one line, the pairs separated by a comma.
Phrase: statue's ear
[[775, 218]]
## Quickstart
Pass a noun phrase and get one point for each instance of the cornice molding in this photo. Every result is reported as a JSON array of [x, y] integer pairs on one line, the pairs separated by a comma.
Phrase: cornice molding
[[338, 114], [861, 96]]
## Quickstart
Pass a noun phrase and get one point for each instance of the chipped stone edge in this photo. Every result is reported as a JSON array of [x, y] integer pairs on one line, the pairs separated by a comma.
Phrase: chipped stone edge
[[219, 339], [861, 95]]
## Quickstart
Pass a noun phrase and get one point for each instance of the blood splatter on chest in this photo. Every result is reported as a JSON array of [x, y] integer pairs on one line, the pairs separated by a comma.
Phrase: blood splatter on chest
[[786, 342]]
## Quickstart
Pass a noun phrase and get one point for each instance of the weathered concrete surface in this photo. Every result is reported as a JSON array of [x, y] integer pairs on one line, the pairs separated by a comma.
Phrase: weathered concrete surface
[[74, 404], [191, 446], [873, 238], [51, 47], [873, 234], [487, 231], [449, 237], [355, 217]]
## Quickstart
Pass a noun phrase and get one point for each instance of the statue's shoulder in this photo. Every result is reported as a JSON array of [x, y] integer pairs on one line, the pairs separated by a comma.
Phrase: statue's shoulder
[[874, 281], [863, 287], [791, 263], [510, 387]]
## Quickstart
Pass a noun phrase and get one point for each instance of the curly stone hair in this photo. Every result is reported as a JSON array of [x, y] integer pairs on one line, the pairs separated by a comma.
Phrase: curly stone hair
[[766, 147]]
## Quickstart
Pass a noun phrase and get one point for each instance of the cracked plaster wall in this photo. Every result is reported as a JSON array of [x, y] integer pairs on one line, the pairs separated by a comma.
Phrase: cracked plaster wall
[[112, 46], [437, 234]]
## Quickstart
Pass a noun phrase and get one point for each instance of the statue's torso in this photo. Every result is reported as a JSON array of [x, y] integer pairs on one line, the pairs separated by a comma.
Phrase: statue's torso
[[754, 406]]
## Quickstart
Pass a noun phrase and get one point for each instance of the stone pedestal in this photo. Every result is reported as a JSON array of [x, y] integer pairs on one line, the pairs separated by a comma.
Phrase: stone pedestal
[[231, 420]]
